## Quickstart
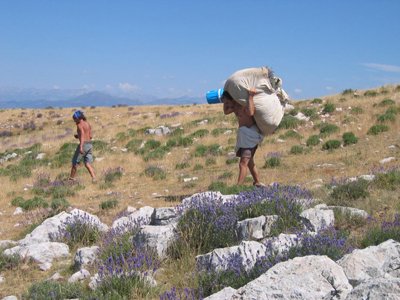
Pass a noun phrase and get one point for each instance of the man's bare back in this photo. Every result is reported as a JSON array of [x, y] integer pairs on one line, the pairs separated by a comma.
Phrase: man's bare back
[[84, 131]]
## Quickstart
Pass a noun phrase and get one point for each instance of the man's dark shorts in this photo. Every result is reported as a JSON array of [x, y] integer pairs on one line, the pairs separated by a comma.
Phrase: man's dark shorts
[[87, 155], [246, 152]]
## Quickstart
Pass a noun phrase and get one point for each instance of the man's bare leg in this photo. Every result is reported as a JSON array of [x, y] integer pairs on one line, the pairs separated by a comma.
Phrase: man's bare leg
[[91, 171], [243, 165], [254, 172], [73, 172]]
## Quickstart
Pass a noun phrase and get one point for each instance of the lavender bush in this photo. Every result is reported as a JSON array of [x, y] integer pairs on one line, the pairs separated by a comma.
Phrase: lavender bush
[[378, 233], [77, 229]]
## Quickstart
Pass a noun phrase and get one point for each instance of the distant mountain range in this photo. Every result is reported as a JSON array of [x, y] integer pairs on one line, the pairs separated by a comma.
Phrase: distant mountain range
[[42, 98]]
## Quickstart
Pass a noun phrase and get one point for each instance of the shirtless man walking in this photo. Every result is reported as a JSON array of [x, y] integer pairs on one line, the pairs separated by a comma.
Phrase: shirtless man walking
[[84, 149], [248, 135]]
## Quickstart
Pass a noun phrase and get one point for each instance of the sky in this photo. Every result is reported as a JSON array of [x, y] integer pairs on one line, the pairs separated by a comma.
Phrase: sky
[[173, 48]]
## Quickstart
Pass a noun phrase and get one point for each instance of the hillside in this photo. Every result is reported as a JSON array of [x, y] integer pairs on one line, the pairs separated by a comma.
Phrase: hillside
[[135, 168]]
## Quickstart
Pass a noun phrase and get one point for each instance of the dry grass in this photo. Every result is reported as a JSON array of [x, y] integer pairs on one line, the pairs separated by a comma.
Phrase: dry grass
[[55, 127]]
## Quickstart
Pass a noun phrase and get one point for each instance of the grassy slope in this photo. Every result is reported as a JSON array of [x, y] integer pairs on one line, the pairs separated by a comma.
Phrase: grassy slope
[[136, 189]]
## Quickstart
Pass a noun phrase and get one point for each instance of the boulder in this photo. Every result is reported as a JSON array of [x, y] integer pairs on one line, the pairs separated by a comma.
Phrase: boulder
[[158, 238], [224, 294], [164, 216], [256, 228], [317, 219], [85, 256], [372, 262], [376, 289], [42, 253], [142, 216], [79, 276], [309, 277], [244, 255]]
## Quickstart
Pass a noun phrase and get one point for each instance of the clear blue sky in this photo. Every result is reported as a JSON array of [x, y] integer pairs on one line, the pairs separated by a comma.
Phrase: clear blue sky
[[171, 48]]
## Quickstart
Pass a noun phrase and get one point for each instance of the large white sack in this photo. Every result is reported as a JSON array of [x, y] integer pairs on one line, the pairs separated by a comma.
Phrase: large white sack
[[269, 100]]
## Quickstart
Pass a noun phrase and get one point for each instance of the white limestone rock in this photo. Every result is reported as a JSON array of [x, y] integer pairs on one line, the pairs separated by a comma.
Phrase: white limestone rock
[[220, 259], [372, 262], [376, 289], [42, 253], [309, 277]]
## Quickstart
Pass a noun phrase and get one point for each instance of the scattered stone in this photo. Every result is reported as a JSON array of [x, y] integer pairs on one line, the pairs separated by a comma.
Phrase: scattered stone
[[160, 130], [18, 211], [386, 160], [79, 276], [10, 298], [41, 156], [56, 277], [85, 256]]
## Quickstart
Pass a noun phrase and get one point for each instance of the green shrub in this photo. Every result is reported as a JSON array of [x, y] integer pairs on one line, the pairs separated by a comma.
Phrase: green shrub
[[100, 146], [157, 153], [225, 175], [379, 233], [348, 92], [155, 172], [345, 220], [111, 175], [370, 93], [224, 189], [386, 102], [289, 122], [211, 161], [108, 204], [50, 289], [199, 133], [387, 117], [357, 110], [198, 167], [387, 181], [182, 165], [313, 140], [376, 129], [310, 112], [77, 230], [331, 144], [231, 161], [343, 194], [9, 262], [316, 101], [296, 149], [349, 138], [328, 108], [393, 110], [29, 204], [203, 150], [59, 204], [134, 145], [290, 134], [64, 155], [218, 131], [272, 162], [328, 129]]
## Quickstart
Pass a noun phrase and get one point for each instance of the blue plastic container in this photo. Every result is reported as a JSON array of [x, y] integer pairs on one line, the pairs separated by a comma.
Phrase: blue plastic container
[[214, 96]]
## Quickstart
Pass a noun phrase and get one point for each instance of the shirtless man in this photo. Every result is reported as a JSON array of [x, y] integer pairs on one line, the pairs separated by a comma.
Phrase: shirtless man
[[248, 135], [84, 149]]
